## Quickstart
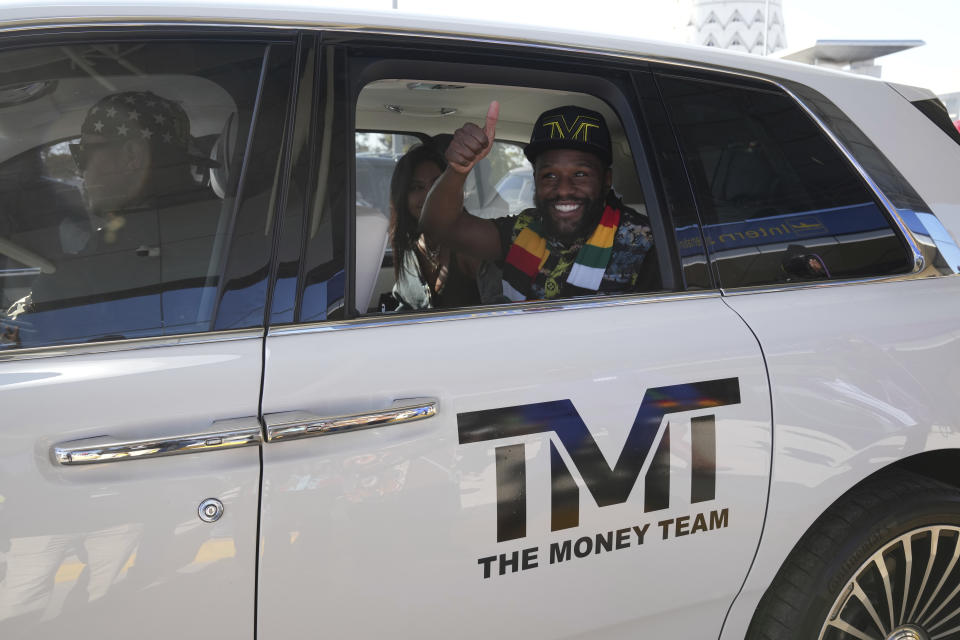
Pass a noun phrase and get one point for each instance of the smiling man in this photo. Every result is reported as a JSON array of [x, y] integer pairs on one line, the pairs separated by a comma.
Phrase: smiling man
[[579, 239]]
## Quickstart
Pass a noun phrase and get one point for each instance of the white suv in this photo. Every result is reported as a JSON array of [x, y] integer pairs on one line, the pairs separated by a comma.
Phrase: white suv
[[763, 442]]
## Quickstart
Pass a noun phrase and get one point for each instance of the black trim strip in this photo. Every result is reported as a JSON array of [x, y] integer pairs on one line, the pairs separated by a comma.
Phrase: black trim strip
[[564, 493], [656, 494], [511, 469], [704, 458]]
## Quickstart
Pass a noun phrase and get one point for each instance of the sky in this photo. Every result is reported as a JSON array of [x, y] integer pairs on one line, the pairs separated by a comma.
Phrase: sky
[[935, 65]]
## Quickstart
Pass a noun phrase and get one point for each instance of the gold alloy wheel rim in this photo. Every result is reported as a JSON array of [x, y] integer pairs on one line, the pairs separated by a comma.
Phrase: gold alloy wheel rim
[[908, 590]]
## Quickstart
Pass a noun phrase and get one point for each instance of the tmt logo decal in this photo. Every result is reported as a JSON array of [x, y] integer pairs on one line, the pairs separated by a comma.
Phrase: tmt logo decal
[[607, 485], [558, 128]]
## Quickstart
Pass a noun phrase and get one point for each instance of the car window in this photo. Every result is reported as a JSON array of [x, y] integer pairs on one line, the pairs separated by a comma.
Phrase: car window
[[779, 202], [504, 183], [516, 188], [498, 188], [119, 170], [485, 196], [376, 156]]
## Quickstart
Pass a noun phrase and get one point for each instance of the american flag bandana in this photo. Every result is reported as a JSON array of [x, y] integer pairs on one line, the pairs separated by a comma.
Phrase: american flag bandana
[[140, 115]]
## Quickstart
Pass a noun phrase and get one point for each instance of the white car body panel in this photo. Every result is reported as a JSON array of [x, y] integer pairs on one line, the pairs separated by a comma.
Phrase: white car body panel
[[878, 387], [352, 522], [109, 548]]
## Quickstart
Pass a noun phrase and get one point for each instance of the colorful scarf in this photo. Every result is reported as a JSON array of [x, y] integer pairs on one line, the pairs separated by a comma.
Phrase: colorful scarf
[[530, 257]]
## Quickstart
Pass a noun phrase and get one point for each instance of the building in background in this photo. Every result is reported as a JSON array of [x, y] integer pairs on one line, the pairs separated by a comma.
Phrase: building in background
[[754, 26], [857, 56], [757, 27]]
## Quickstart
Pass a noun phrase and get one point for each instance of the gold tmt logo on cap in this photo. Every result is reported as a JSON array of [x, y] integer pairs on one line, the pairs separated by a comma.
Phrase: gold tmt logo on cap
[[558, 129]]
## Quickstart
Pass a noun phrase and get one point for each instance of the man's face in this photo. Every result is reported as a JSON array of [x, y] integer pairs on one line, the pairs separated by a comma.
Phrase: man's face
[[111, 171], [569, 189]]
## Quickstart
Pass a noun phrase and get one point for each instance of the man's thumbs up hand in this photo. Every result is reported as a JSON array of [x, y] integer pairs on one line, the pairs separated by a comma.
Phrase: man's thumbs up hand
[[471, 144]]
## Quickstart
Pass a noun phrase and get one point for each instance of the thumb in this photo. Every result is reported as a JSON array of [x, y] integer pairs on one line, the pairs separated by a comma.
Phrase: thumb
[[493, 113]]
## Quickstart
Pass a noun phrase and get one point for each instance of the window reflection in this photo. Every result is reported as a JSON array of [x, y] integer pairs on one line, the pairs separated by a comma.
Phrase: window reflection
[[117, 184]]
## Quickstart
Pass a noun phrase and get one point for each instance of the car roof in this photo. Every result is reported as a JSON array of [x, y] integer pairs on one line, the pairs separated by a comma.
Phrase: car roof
[[18, 14]]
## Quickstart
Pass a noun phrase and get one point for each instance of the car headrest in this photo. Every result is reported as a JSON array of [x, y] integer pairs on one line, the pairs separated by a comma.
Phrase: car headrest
[[223, 154]]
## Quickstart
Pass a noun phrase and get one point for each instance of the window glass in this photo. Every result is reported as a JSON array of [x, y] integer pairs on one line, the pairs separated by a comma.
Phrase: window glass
[[687, 230], [501, 184], [376, 156], [779, 202], [118, 167], [302, 162], [934, 109], [322, 286], [243, 289], [500, 188]]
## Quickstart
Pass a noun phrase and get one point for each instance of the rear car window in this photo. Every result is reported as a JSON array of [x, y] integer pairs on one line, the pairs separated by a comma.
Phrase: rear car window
[[779, 202], [938, 114]]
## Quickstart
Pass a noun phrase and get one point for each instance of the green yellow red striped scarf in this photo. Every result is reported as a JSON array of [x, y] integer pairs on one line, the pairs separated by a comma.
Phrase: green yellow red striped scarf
[[529, 254]]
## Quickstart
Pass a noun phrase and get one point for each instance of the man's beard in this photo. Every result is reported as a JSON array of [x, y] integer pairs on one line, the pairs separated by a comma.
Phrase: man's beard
[[592, 210]]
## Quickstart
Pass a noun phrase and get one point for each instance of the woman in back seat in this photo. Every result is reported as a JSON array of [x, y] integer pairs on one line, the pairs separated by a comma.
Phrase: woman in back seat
[[428, 275]]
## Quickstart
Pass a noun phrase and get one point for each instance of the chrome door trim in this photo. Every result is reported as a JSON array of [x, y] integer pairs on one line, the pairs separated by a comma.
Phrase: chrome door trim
[[511, 309], [87, 348], [291, 425], [793, 286], [228, 434]]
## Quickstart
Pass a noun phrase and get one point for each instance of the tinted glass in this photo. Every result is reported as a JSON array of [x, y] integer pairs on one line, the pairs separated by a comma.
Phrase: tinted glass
[[243, 292], [302, 162], [674, 181], [118, 170], [778, 201], [323, 284], [937, 112]]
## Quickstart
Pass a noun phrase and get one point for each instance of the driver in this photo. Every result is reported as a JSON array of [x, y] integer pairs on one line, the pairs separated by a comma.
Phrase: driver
[[140, 196]]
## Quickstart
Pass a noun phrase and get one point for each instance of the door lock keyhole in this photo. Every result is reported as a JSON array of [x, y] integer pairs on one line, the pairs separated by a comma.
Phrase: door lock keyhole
[[210, 510]]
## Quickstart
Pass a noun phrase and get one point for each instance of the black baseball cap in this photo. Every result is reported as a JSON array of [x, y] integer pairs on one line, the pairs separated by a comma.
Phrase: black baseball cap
[[143, 115], [570, 127]]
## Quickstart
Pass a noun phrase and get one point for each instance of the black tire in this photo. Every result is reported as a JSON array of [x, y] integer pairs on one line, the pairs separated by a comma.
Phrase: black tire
[[897, 522]]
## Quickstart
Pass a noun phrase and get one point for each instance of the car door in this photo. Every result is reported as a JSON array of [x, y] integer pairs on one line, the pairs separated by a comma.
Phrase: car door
[[133, 331], [842, 271], [594, 467]]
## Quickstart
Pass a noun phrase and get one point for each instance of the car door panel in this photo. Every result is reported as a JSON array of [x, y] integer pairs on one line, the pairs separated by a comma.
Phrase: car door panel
[[122, 540], [394, 527]]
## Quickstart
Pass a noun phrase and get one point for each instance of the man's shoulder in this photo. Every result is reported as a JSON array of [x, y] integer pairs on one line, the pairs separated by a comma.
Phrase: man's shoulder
[[505, 226], [512, 218], [631, 217], [633, 235]]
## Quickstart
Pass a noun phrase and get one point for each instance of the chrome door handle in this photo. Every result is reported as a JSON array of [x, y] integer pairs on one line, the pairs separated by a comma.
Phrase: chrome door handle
[[300, 424], [225, 434]]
